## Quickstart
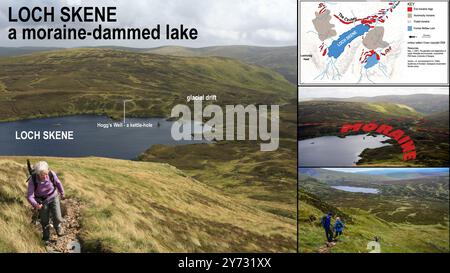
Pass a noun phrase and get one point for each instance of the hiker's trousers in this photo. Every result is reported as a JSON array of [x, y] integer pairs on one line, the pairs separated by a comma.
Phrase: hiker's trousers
[[329, 234], [51, 209]]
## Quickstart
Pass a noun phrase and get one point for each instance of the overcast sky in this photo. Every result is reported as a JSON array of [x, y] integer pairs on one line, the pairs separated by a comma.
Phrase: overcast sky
[[219, 22], [308, 93]]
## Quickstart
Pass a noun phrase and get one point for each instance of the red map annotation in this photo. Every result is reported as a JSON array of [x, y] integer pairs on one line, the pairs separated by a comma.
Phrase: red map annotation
[[405, 141]]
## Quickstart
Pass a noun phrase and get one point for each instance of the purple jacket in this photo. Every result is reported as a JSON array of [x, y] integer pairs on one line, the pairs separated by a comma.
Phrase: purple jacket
[[44, 189]]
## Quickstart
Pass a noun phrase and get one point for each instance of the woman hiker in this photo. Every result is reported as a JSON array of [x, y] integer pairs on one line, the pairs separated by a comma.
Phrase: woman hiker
[[44, 189], [338, 227]]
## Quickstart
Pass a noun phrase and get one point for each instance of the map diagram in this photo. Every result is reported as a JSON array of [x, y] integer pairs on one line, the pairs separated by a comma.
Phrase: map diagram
[[372, 42], [347, 41]]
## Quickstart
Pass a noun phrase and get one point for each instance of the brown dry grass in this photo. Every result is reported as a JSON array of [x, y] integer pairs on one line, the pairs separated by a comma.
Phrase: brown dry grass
[[142, 207]]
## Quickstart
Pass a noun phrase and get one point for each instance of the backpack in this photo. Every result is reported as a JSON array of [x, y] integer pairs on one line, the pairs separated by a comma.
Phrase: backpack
[[34, 179]]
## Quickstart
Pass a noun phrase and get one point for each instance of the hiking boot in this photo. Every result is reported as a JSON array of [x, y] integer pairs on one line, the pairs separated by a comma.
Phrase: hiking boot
[[46, 234], [59, 230]]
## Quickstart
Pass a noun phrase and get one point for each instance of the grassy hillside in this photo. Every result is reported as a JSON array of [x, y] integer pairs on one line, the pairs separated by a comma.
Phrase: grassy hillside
[[423, 103], [438, 120], [75, 81], [344, 111], [239, 168], [329, 116], [420, 201], [394, 238], [405, 173], [281, 59], [335, 177], [408, 216], [141, 207], [97, 80], [372, 176], [325, 118]]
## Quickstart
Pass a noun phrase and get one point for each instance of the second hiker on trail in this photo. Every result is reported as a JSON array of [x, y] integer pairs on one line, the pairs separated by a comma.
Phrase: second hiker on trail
[[338, 228], [44, 189]]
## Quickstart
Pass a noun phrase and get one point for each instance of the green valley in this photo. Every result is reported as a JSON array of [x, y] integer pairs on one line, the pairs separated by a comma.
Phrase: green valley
[[407, 215], [429, 131], [222, 196], [96, 81], [280, 59]]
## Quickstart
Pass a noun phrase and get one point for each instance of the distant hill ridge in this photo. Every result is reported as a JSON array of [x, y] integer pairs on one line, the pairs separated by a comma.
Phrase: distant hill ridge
[[280, 59], [424, 103], [93, 80], [373, 175]]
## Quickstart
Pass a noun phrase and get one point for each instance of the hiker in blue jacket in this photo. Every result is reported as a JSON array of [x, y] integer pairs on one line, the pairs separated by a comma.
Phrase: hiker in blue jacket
[[338, 227], [326, 224]]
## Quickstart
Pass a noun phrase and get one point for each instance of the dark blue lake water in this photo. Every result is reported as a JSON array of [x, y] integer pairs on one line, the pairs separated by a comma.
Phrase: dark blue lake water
[[89, 139], [336, 151]]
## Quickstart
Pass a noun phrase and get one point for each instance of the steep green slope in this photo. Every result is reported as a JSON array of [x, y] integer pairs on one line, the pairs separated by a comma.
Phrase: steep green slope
[[423, 103], [97, 81], [394, 238], [312, 208], [319, 118], [281, 59], [239, 168], [404, 224], [437, 120], [141, 207], [343, 111], [418, 201]]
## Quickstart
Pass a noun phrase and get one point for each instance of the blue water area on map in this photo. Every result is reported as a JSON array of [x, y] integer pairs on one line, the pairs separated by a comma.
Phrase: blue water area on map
[[371, 61], [337, 46]]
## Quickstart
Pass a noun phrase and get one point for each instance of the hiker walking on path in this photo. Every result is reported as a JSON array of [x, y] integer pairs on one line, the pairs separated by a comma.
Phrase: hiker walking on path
[[44, 189], [338, 227], [326, 224]]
